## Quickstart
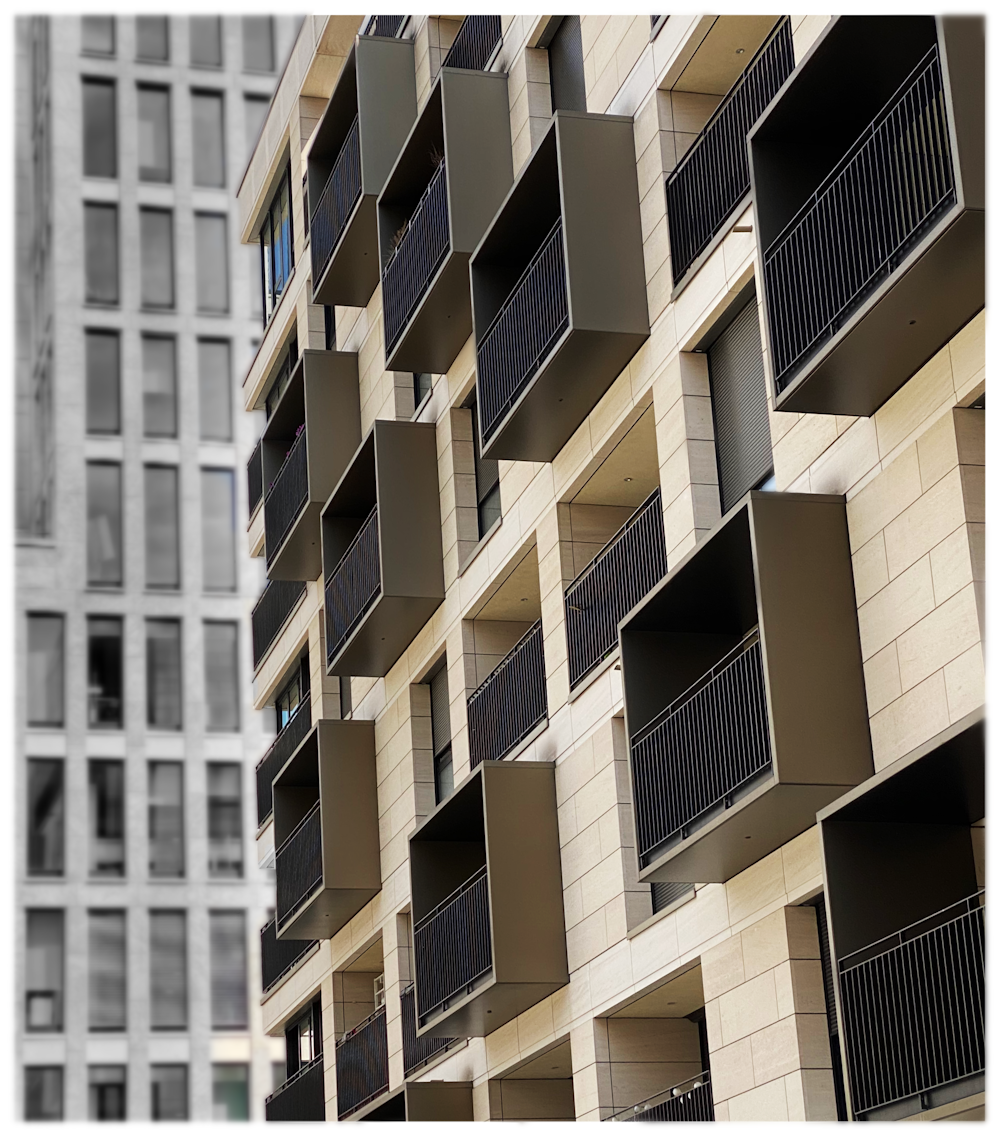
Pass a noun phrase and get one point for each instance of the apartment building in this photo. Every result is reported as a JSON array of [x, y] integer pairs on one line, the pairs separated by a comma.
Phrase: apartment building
[[621, 497], [139, 900]]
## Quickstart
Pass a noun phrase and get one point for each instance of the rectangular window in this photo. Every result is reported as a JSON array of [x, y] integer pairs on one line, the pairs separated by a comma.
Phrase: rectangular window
[[218, 530], [103, 363], [106, 1092], [152, 38], [304, 1039], [205, 34], [168, 994], [156, 239], [166, 819], [163, 674], [277, 254], [230, 1092], [100, 252], [44, 971], [215, 392], [97, 35], [106, 970], [255, 108], [162, 527], [487, 481], [421, 388], [222, 697], [104, 672], [104, 523], [168, 1092], [225, 825], [228, 967], [444, 775], [106, 791], [46, 813], [45, 670], [154, 134], [209, 138], [212, 262], [159, 386], [258, 43], [295, 693], [43, 1092], [100, 129]]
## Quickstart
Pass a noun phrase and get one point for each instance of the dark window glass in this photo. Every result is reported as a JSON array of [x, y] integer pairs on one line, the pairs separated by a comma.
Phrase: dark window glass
[[487, 481], [258, 43], [162, 535], [208, 132], [218, 530], [100, 134], [45, 670], [100, 252], [255, 108], [421, 388], [566, 80], [168, 996], [295, 693], [225, 828], [97, 35], [104, 523], [106, 790], [106, 1092], [43, 1092], [346, 706], [168, 1092], [205, 34], [46, 813], [444, 778], [166, 819], [256, 289], [104, 672], [277, 255], [228, 967], [215, 392], [304, 1039], [152, 38], [159, 386], [212, 257], [106, 970], [156, 238], [154, 134], [230, 1092], [222, 689], [163, 674], [283, 375], [44, 971], [103, 350]]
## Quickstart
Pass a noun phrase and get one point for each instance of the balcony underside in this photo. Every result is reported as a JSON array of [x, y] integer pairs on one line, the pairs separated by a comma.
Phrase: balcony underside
[[300, 555], [440, 324], [352, 272], [383, 635], [487, 1008], [322, 916]]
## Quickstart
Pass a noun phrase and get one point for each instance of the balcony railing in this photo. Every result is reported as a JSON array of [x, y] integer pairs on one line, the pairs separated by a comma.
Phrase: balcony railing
[[686, 1101], [523, 332], [706, 744], [286, 496], [473, 47], [362, 1064], [353, 586], [298, 864], [281, 749], [417, 1050], [611, 585], [278, 956], [255, 478], [384, 25], [452, 945], [271, 612], [713, 177], [422, 246], [914, 1007], [511, 702], [336, 202], [859, 225], [301, 1097]]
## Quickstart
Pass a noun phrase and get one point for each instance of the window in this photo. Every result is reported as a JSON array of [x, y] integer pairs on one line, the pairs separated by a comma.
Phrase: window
[[106, 969], [664, 894], [283, 375], [103, 364], [225, 827], [97, 35], [212, 256], [106, 792], [44, 971], [162, 532], [230, 1092], [100, 252], [421, 389], [106, 1092], [154, 134], [444, 776], [304, 1039], [567, 85], [277, 1075], [222, 690], [218, 530], [100, 132], [208, 133], [43, 1092], [277, 256], [256, 289], [104, 523], [255, 108], [215, 398], [228, 966], [168, 1092], [166, 819], [104, 672], [258, 43], [205, 34], [159, 386], [156, 238], [152, 38], [46, 812], [45, 670], [168, 995], [163, 674], [487, 481], [294, 694]]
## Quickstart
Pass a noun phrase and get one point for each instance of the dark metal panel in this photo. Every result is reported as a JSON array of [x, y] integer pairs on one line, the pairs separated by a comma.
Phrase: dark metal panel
[[387, 105], [963, 59], [438, 1100]]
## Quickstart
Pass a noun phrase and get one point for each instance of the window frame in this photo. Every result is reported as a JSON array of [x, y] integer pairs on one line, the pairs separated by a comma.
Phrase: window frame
[[272, 298]]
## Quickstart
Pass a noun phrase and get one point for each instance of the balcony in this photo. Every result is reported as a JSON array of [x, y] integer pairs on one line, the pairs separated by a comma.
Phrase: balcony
[[511, 702], [389, 26], [255, 480], [871, 237], [279, 957], [687, 1101], [559, 287], [382, 549], [476, 44], [326, 833], [354, 147], [280, 750], [362, 1065], [442, 193], [322, 398], [301, 1097], [744, 696], [488, 931], [271, 612], [712, 180], [417, 1051]]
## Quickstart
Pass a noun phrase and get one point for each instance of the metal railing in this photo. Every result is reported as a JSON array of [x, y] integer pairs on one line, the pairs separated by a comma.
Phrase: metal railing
[[512, 700], [417, 1050], [255, 478], [270, 613], [353, 586], [523, 332], [628, 566], [301, 1097], [422, 247], [336, 203], [914, 1007], [452, 946], [298, 864], [362, 1064], [286, 496], [706, 744], [280, 750], [474, 45], [713, 177], [278, 956], [686, 1101], [858, 226], [384, 25]]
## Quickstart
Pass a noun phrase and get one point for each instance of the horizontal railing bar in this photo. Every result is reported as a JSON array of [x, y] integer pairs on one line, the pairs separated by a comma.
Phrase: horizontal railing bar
[[914, 930]]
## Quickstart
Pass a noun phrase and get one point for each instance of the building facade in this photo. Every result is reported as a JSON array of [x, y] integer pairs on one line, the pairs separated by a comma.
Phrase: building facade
[[621, 497], [139, 900]]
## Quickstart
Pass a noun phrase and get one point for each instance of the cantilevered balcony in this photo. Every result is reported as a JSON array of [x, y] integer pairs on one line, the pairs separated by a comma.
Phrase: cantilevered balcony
[[271, 612], [279, 957], [558, 287], [321, 401], [301, 1097], [353, 149], [488, 931], [362, 1065], [744, 694], [280, 750], [382, 549], [443, 191], [476, 43], [510, 703], [687, 1101], [871, 236]]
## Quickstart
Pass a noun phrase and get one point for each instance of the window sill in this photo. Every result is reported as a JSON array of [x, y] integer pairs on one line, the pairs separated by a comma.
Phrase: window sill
[[480, 544]]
